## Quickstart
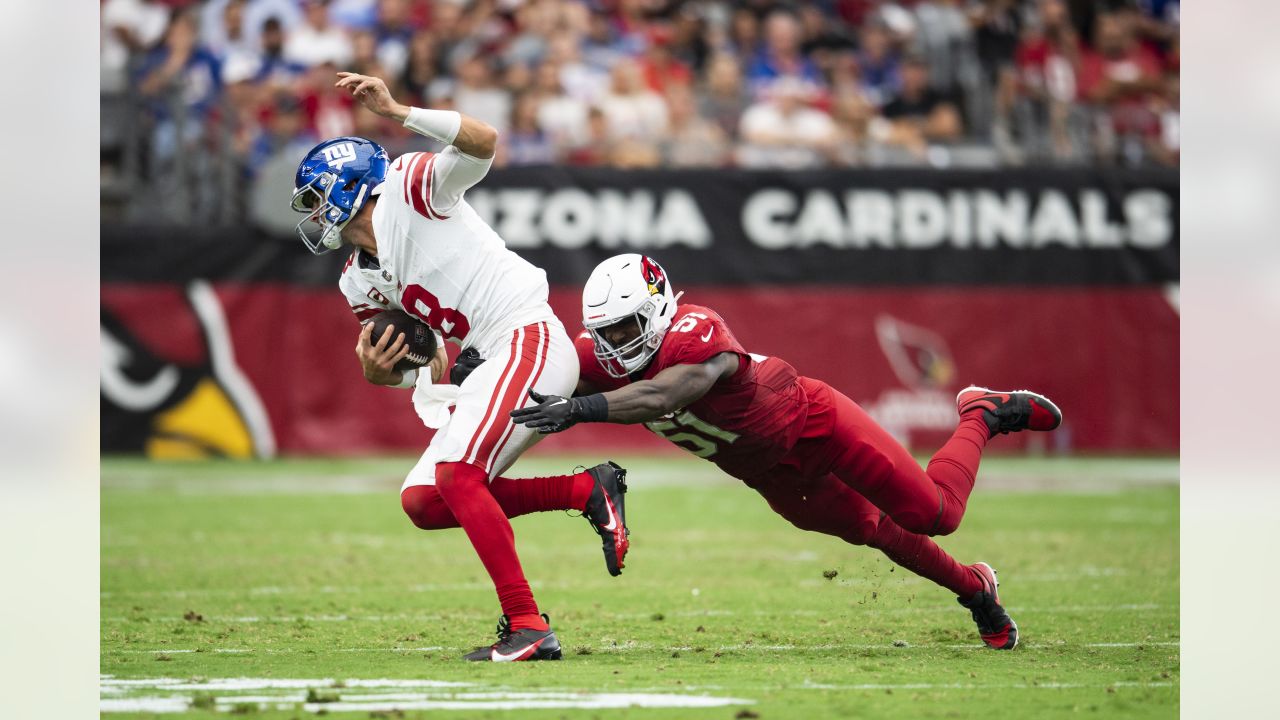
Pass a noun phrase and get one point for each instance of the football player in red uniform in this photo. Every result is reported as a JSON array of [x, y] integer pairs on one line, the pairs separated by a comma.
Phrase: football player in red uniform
[[817, 457]]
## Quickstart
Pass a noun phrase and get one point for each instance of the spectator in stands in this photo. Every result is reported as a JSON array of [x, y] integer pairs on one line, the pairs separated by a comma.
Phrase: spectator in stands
[[276, 71], [329, 109], [1046, 58], [421, 68], [452, 31], [285, 133], [1165, 143], [317, 40], [595, 146], [780, 54], [689, 39], [944, 37], [1120, 76], [920, 114], [232, 40], [722, 96], [180, 85], [631, 25], [1118, 69], [525, 143], [692, 140], [601, 47], [534, 26], [633, 111], [878, 61], [823, 39], [997, 30], [782, 132], [394, 33], [476, 94], [256, 12], [662, 71], [180, 75], [354, 15], [854, 116], [579, 79], [129, 29], [744, 33], [364, 52], [562, 117]]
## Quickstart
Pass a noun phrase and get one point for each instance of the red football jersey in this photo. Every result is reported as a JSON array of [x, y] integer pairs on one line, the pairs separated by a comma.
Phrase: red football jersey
[[745, 423]]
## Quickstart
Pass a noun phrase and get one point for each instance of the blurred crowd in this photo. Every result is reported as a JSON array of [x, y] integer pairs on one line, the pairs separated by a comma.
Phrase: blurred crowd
[[644, 83]]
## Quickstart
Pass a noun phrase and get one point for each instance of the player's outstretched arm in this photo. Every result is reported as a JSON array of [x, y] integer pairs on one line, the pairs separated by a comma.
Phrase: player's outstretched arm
[[471, 136], [668, 391], [673, 388]]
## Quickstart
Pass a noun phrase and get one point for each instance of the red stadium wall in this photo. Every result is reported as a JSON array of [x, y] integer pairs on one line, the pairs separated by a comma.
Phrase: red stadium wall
[[1107, 355]]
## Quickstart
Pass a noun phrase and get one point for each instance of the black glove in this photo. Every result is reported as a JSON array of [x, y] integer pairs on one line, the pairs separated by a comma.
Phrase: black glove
[[554, 414], [467, 361]]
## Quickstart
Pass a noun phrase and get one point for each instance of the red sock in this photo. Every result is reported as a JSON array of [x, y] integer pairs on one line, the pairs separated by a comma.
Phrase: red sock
[[922, 556], [428, 510], [466, 492], [528, 495], [954, 469], [535, 621]]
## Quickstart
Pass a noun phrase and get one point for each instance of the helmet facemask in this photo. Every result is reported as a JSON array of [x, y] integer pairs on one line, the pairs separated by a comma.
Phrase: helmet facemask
[[321, 229], [621, 361]]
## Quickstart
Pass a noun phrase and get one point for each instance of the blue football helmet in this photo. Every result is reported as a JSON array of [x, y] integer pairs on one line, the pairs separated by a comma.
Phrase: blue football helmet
[[334, 180]]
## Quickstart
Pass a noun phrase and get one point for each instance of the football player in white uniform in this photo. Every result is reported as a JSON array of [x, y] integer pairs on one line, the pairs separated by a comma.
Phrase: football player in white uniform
[[419, 247]]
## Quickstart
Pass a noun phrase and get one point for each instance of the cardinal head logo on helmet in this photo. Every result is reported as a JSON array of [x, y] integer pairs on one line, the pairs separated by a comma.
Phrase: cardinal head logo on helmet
[[654, 278]]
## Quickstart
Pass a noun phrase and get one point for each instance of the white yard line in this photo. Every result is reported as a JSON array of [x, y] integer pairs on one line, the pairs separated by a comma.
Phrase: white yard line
[[169, 695]]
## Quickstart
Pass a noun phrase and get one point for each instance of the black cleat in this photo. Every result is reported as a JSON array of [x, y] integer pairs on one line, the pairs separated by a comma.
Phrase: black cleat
[[996, 628], [607, 515], [1009, 411], [519, 645]]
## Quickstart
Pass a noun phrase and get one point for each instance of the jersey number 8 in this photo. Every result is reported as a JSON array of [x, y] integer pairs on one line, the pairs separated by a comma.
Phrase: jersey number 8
[[419, 301]]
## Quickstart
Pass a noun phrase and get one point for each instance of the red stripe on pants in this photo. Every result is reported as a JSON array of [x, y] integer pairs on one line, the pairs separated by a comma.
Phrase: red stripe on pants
[[512, 363], [518, 400], [528, 357]]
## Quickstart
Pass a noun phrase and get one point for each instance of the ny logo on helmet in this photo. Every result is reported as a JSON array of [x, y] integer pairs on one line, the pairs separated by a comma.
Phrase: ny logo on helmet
[[653, 276], [340, 154]]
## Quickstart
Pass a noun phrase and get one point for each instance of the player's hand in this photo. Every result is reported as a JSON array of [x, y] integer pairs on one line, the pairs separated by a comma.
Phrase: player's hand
[[552, 414], [372, 92], [468, 360], [378, 357], [555, 414], [439, 363]]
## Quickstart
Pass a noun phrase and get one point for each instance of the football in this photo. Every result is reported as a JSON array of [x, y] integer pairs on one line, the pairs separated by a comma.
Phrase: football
[[420, 338]]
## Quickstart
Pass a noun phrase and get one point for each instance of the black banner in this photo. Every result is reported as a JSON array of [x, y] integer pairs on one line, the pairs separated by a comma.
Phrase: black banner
[[866, 227]]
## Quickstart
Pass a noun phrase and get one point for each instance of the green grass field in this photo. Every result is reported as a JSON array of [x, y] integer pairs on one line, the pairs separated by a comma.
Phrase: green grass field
[[285, 588]]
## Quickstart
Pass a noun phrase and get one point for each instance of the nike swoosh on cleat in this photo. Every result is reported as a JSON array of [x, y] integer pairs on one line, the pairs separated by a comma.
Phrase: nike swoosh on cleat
[[496, 656], [613, 519]]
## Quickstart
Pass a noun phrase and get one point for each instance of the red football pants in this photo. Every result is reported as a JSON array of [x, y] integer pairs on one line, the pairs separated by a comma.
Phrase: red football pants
[[831, 507], [841, 439]]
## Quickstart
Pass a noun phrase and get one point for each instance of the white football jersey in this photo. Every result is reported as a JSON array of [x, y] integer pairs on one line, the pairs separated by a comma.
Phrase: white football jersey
[[437, 260]]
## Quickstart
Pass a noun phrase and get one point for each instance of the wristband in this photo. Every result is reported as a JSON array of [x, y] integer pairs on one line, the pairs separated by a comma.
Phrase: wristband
[[408, 378], [442, 125], [593, 408]]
